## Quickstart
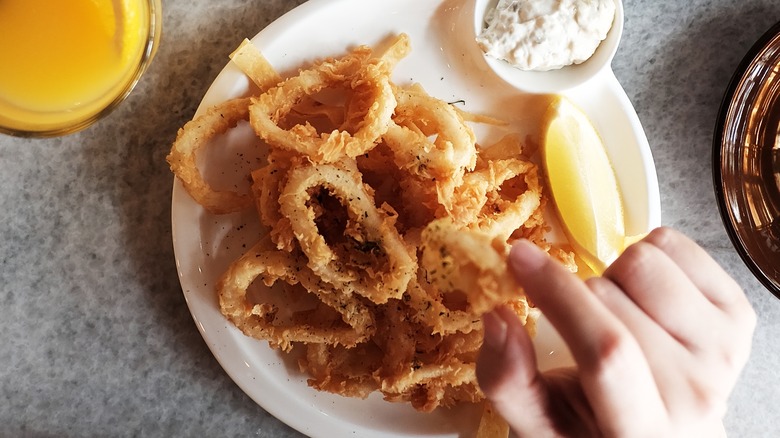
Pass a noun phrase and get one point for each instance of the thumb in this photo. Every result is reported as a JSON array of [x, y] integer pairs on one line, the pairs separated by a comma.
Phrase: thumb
[[509, 378]]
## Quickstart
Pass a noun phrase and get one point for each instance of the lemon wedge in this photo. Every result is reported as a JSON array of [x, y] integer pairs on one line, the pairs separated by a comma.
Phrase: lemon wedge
[[583, 185]]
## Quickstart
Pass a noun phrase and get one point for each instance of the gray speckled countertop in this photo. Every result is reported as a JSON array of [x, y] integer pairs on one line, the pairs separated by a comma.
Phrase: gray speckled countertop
[[95, 336]]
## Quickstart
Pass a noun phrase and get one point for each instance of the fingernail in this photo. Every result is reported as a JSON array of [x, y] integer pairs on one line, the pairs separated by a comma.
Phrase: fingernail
[[495, 331], [525, 256]]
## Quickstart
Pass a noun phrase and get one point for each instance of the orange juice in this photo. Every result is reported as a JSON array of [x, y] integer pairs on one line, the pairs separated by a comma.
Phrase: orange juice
[[63, 62]]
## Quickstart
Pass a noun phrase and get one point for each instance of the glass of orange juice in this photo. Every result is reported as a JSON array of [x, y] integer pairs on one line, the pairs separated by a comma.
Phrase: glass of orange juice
[[64, 64]]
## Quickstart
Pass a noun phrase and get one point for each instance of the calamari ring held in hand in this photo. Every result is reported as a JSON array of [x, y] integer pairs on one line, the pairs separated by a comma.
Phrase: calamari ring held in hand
[[196, 133], [427, 306], [471, 262], [260, 320], [369, 234], [357, 71]]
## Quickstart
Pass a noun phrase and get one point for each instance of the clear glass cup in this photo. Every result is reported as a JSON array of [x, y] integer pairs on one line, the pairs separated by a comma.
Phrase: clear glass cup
[[68, 63]]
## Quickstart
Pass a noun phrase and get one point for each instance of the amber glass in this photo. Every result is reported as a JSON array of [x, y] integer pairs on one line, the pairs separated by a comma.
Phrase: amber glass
[[746, 160]]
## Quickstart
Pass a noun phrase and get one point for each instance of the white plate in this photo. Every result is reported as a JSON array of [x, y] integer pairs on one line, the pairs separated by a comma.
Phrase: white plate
[[448, 64]]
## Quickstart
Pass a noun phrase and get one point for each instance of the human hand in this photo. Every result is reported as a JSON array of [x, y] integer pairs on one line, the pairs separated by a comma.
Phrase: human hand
[[659, 341]]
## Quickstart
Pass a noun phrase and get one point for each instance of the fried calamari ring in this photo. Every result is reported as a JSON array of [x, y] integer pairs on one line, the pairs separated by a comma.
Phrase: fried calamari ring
[[471, 262], [527, 314], [370, 233], [421, 367], [414, 199], [510, 207], [498, 198], [430, 139], [363, 99], [427, 306], [404, 361], [482, 185], [347, 372], [357, 71], [218, 120], [431, 385], [266, 184], [260, 320], [193, 136]]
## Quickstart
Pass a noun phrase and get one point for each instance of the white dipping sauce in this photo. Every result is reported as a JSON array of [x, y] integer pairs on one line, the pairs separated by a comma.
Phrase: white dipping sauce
[[546, 34]]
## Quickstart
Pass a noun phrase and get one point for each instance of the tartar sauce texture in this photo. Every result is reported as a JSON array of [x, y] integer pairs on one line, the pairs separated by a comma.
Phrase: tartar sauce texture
[[542, 35]]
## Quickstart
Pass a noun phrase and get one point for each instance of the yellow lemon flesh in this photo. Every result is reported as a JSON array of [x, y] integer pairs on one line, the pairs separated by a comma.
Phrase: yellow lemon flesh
[[583, 185]]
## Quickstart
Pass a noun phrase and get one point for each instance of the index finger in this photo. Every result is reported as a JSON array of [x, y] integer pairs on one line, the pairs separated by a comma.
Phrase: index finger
[[606, 353]]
